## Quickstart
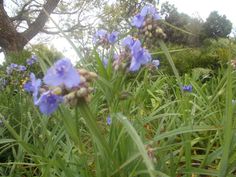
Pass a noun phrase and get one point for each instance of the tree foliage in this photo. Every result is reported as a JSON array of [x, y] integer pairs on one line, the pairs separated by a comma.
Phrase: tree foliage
[[217, 26]]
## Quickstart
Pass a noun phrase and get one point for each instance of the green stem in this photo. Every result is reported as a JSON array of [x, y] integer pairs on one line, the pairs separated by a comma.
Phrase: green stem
[[170, 60], [94, 129]]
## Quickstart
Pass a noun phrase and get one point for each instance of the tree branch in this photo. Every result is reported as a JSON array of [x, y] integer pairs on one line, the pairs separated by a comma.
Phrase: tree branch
[[41, 20], [77, 26], [21, 12]]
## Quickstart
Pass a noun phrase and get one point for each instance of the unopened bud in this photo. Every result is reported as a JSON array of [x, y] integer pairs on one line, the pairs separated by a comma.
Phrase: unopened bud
[[93, 75], [149, 20], [83, 71], [82, 79], [88, 98], [145, 29], [70, 96], [82, 92], [149, 27], [150, 35], [90, 89]]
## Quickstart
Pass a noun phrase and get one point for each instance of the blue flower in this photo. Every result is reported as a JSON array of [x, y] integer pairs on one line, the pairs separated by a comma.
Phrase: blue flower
[[32, 60], [128, 42], [100, 36], [109, 121], [138, 21], [13, 65], [62, 73], [48, 102], [140, 56], [150, 10], [187, 88], [112, 38], [21, 68], [33, 86]]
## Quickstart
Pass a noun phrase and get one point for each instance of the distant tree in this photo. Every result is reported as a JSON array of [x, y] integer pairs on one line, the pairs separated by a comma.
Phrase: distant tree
[[195, 26], [180, 20], [216, 26]]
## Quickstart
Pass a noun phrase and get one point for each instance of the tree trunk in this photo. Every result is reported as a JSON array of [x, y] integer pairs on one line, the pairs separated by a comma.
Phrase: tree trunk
[[13, 41], [10, 39]]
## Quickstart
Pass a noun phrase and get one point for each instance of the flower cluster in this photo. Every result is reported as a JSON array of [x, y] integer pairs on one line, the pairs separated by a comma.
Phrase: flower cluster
[[15, 67], [62, 83], [147, 22], [104, 38], [133, 56], [20, 68]]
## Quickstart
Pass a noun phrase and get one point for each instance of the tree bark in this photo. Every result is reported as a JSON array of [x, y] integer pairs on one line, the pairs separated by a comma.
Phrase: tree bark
[[13, 41]]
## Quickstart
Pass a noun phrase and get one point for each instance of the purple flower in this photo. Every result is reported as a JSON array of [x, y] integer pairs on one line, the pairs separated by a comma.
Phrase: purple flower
[[48, 102], [100, 36], [187, 88], [150, 10], [62, 73], [156, 63], [140, 56], [109, 121], [112, 38], [33, 86], [32, 60], [13, 65], [128, 42], [21, 68], [138, 21]]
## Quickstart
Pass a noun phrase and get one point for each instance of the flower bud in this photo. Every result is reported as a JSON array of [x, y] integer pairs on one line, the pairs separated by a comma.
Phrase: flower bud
[[149, 34], [149, 20], [82, 79], [82, 92], [70, 96], [83, 71], [149, 27], [90, 89], [93, 75]]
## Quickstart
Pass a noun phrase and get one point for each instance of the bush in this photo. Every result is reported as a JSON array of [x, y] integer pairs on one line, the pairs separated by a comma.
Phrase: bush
[[213, 54]]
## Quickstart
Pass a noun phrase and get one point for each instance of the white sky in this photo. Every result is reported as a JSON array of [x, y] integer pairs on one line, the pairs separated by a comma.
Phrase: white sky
[[204, 7], [190, 7]]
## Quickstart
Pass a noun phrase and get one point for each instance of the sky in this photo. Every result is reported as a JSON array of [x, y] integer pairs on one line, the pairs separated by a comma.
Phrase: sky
[[204, 7], [190, 7]]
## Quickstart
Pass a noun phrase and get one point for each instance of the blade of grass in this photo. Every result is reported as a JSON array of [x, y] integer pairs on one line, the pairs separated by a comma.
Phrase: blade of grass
[[228, 122], [137, 140]]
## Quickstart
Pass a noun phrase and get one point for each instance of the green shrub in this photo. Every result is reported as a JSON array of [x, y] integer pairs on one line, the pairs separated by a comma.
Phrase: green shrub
[[213, 54]]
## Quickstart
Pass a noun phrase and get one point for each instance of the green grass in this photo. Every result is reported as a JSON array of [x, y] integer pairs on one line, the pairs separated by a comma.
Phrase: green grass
[[156, 130]]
